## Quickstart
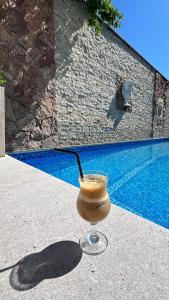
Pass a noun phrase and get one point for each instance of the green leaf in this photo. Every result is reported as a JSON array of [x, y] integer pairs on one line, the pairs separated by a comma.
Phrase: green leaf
[[105, 10], [2, 79]]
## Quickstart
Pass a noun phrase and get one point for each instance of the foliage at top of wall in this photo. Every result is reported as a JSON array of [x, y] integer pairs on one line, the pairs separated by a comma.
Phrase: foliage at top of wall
[[103, 10], [2, 80]]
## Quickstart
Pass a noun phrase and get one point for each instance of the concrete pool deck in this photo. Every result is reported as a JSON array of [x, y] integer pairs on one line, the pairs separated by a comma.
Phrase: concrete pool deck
[[38, 211]]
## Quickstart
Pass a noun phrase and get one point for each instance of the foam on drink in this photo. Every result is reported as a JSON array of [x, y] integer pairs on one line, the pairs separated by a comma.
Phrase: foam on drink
[[93, 187]]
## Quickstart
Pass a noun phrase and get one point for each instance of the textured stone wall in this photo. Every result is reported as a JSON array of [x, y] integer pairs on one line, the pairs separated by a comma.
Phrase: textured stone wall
[[67, 90], [89, 73], [2, 122], [161, 107], [27, 59], [166, 116]]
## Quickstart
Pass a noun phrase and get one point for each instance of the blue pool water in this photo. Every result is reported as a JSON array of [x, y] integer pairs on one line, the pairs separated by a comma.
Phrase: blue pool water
[[138, 173]]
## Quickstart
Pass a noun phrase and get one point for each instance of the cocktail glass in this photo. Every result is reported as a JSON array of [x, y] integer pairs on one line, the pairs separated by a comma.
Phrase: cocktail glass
[[93, 205]]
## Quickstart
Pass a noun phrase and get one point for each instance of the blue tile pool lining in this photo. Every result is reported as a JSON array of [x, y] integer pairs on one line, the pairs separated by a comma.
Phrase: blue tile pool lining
[[138, 173]]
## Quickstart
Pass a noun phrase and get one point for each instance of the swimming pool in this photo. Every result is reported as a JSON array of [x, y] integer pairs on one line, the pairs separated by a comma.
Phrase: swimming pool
[[138, 173]]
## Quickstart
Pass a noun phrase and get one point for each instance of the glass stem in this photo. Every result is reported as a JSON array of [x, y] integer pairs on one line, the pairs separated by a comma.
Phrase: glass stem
[[93, 237]]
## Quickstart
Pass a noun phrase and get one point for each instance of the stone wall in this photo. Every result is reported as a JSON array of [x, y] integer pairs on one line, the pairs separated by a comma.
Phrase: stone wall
[[27, 59], [89, 72], [2, 122], [161, 111], [166, 116], [67, 90]]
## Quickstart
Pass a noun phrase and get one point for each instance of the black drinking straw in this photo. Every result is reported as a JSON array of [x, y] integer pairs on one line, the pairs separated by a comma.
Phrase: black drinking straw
[[77, 157]]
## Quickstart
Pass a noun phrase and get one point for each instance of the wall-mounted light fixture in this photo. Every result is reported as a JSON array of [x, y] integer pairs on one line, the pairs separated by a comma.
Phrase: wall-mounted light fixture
[[126, 92]]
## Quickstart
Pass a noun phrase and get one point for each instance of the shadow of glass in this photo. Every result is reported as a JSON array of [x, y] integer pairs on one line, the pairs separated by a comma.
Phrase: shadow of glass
[[54, 261]]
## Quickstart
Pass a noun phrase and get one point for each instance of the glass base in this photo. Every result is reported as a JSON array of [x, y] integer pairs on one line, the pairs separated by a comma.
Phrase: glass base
[[93, 243]]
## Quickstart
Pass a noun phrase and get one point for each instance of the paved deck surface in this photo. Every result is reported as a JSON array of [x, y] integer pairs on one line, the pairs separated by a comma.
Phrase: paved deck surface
[[38, 211]]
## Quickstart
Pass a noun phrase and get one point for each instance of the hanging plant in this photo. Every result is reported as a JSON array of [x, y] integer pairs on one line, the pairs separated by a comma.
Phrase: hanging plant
[[103, 10], [2, 80]]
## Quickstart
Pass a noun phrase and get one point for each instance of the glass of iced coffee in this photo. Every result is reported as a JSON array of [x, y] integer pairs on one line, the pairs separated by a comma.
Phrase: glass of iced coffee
[[93, 205]]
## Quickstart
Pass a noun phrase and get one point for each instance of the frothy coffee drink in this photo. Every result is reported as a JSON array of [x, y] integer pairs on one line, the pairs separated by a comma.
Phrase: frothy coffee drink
[[93, 203]]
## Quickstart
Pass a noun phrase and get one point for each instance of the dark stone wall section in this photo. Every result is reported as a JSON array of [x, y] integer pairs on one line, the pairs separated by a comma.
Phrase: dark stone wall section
[[160, 112], [27, 60]]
